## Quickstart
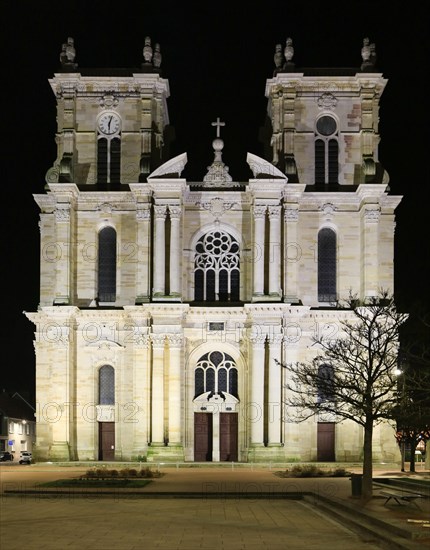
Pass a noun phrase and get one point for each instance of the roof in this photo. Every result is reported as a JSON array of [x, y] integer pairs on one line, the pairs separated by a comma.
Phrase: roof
[[15, 407]]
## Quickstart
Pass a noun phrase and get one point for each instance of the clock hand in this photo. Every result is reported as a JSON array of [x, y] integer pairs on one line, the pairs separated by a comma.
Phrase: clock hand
[[110, 120]]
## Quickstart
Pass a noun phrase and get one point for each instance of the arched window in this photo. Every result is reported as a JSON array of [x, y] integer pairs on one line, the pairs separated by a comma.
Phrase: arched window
[[216, 372], [107, 265], [325, 382], [327, 291], [326, 151], [216, 268], [106, 385]]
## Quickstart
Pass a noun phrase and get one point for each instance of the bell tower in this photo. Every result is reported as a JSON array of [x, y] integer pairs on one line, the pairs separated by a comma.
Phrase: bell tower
[[112, 124]]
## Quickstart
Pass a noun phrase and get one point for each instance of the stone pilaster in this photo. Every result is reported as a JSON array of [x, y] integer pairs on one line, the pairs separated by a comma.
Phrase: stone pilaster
[[157, 405], [175, 281], [259, 213], [143, 232], [255, 410], [292, 254], [62, 271], [275, 251], [160, 212]]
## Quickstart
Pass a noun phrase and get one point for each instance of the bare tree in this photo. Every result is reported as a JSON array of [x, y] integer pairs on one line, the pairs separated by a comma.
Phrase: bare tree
[[413, 409], [352, 377]]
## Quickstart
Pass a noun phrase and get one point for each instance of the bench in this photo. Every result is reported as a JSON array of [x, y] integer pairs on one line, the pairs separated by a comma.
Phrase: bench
[[397, 496]]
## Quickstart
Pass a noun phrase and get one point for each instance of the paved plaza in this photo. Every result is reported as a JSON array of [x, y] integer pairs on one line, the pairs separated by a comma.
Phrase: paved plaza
[[185, 509]]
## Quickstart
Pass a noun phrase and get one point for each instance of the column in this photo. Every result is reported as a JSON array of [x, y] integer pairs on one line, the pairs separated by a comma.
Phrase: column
[[159, 250], [62, 272], [259, 212], [174, 397], [157, 405], [143, 218], [371, 260], [275, 391], [255, 410], [175, 250], [292, 254], [275, 251], [216, 433]]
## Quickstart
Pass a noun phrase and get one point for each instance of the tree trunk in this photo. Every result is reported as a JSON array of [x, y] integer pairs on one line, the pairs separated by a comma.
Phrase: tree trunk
[[412, 459], [366, 488]]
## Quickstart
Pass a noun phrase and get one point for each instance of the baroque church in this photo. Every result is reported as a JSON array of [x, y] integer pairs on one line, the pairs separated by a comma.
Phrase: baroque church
[[165, 304]]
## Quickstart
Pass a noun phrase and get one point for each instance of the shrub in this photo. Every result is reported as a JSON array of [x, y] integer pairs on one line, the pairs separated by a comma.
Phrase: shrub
[[340, 472]]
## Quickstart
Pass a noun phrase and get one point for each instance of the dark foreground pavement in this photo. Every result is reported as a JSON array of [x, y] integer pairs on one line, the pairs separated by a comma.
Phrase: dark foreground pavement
[[210, 508]]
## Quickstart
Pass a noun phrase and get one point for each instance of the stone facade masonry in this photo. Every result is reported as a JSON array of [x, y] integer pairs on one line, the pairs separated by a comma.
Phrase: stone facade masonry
[[155, 334]]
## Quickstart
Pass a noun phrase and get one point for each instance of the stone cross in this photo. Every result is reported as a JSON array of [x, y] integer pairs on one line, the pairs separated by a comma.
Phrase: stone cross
[[218, 124]]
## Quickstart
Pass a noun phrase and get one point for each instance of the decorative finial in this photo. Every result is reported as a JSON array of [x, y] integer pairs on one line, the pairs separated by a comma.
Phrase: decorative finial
[[217, 175], [147, 50], [278, 58], [368, 55], [68, 54], [157, 56], [365, 50], [289, 50]]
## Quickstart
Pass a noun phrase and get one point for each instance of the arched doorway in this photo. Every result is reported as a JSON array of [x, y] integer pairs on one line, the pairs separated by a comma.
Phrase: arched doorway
[[216, 408]]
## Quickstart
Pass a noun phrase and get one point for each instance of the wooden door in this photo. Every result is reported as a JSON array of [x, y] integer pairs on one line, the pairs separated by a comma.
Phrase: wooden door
[[106, 440], [325, 442], [203, 435], [228, 427]]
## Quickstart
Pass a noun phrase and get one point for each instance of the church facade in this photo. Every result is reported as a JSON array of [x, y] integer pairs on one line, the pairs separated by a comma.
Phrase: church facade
[[166, 304]]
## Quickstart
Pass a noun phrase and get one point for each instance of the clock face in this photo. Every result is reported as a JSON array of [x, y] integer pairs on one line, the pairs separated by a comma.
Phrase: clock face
[[109, 123]]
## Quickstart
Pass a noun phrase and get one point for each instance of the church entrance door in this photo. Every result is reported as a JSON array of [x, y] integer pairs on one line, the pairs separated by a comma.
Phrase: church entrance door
[[228, 424], [106, 440], [325, 442], [203, 437]]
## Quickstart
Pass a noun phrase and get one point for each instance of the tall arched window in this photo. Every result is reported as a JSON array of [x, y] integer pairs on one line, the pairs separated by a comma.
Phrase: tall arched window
[[106, 385], [107, 265], [216, 372], [326, 151], [217, 268], [327, 291], [325, 383]]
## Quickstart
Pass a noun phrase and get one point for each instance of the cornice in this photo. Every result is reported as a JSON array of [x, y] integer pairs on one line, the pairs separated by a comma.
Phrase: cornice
[[302, 85], [125, 86]]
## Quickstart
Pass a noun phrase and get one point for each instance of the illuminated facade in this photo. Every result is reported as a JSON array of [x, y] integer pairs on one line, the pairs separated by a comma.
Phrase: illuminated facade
[[165, 303]]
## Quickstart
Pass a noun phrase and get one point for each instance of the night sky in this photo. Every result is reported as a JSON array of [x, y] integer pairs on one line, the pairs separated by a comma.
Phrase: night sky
[[217, 58]]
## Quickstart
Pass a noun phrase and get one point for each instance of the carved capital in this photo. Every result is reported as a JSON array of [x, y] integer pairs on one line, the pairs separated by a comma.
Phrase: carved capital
[[259, 211], [372, 215], [158, 340], [160, 211], [175, 212], [62, 214], [274, 212], [143, 212], [291, 214], [175, 340]]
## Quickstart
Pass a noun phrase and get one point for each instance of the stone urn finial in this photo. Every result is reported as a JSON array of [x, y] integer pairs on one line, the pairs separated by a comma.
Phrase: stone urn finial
[[147, 50], [157, 56], [365, 50], [289, 50], [278, 58]]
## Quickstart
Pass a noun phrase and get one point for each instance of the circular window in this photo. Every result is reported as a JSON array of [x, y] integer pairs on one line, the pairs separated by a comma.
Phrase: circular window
[[326, 125]]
